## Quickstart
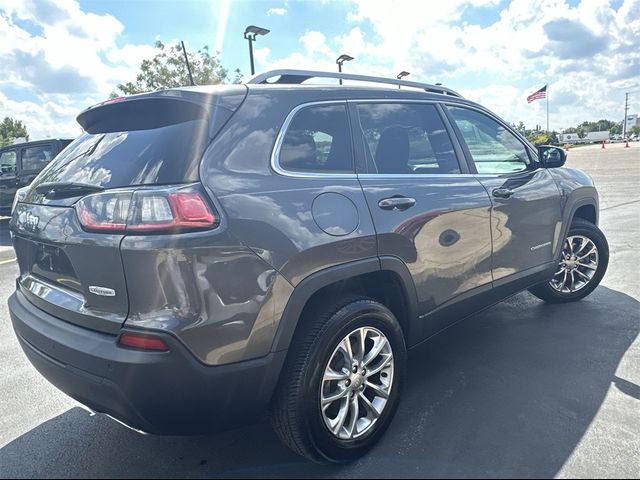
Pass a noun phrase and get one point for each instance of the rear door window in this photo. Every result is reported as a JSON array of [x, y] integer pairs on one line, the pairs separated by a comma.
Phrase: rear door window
[[406, 139], [37, 157], [317, 141]]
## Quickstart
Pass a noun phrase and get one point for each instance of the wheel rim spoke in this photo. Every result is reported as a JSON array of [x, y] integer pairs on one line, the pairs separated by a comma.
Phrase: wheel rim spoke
[[564, 281], [337, 396], [345, 346], [357, 383], [337, 424], [379, 344], [583, 275], [587, 265], [331, 375], [354, 414], [362, 338], [369, 406], [384, 364], [590, 252], [381, 392]]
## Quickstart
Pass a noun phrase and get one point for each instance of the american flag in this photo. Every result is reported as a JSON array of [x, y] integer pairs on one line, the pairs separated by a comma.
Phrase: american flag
[[538, 94]]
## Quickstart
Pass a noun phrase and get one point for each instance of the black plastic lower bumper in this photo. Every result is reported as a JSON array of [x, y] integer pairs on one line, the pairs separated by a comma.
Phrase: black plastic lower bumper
[[157, 392]]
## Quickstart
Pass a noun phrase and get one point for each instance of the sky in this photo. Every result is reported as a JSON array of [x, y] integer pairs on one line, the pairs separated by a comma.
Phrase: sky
[[58, 57]]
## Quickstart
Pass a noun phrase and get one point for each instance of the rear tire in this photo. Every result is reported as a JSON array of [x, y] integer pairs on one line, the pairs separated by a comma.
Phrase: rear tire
[[583, 272], [303, 414]]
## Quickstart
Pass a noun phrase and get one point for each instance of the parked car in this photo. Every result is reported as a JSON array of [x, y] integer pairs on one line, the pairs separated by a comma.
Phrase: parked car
[[19, 165], [202, 256]]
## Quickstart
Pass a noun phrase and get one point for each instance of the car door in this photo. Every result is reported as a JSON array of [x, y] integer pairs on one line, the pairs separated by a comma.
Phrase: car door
[[33, 159], [427, 209], [526, 213], [8, 177]]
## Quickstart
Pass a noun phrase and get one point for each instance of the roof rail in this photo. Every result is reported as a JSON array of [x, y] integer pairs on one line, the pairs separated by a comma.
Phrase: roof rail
[[298, 76]]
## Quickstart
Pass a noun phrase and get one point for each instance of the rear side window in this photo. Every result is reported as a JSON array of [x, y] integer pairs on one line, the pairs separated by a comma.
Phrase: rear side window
[[406, 139], [317, 141], [37, 157], [166, 155]]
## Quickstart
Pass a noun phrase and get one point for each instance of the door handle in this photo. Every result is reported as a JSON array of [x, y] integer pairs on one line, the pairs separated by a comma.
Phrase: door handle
[[396, 203], [502, 192]]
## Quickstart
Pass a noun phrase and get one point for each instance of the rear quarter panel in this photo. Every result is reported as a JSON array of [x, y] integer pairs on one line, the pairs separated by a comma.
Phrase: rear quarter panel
[[271, 213]]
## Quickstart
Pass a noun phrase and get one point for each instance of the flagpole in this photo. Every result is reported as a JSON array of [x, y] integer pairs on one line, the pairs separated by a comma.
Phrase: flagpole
[[547, 108]]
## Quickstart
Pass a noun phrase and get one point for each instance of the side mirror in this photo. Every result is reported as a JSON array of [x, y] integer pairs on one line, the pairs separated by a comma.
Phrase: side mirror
[[551, 157]]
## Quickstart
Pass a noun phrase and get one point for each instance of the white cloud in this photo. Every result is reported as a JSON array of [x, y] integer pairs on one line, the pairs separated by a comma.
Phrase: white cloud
[[73, 57], [315, 42], [589, 53], [277, 11]]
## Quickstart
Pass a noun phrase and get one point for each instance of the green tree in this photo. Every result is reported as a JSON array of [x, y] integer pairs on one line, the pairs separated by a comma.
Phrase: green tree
[[11, 129], [520, 127], [168, 70], [635, 130]]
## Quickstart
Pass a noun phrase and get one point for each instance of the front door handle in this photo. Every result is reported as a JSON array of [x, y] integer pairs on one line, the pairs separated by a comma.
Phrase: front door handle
[[502, 192], [396, 203]]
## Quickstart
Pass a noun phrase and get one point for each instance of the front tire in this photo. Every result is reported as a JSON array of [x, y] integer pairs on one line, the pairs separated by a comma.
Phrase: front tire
[[583, 263], [341, 384]]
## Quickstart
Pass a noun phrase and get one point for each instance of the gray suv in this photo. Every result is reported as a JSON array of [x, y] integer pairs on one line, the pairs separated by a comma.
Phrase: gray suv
[[203, 256]]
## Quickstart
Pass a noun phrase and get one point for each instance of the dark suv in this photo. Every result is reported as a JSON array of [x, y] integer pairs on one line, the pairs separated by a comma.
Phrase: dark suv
[[20, 163], [204, 255]]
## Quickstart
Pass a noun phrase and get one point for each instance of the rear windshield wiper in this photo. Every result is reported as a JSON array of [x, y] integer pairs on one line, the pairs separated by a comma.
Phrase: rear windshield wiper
[[54, 190]]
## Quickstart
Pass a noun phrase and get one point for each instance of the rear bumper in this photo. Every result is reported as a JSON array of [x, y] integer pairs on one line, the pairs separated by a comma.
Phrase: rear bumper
[[156, 392]]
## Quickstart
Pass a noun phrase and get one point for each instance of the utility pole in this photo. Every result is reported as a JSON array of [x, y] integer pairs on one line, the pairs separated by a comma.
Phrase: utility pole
[[626, 109]]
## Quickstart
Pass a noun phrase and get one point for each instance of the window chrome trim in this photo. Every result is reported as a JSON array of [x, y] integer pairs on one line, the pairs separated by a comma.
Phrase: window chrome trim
[[275, 153], [369, 176], [275, 160]]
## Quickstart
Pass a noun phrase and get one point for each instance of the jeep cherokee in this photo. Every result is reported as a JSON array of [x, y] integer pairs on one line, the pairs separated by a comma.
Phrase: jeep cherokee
[[201, 256]]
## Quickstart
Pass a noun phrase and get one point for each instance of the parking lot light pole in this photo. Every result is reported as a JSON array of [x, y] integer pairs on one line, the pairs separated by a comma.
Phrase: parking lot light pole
[[400, 75], [250, 34], [340, 60]]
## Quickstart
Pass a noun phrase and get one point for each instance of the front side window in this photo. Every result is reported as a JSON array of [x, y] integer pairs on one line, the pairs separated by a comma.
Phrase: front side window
[[407, 139], [36, 158], [317, 141], [493, 148], [8, 162]]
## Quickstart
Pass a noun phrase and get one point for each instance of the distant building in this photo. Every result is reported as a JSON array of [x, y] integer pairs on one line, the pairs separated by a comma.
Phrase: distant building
[[632, 120]]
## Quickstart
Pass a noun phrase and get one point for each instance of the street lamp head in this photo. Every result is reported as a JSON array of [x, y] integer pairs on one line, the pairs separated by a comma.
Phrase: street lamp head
[[402, 74], [343, 58], [252, 32]]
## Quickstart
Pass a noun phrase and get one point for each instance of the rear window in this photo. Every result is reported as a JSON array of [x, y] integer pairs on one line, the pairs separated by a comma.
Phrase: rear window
[[166, 155]]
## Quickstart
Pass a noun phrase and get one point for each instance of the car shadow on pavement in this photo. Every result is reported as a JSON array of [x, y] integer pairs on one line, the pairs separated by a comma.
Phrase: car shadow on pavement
[[508, 393]]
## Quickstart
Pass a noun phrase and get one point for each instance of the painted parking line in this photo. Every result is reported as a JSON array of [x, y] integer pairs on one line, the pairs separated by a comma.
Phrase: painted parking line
[[4, 262]]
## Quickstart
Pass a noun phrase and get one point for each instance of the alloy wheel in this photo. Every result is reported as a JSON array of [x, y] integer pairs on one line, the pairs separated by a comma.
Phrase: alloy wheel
[[357, 383], [578, 265]]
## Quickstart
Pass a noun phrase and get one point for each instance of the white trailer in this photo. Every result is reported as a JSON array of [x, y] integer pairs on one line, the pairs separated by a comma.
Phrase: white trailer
[[570, 138], [593, 137]]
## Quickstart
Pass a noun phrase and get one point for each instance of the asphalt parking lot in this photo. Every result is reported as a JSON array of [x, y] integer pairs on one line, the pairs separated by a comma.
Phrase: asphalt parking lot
[[524, 389]]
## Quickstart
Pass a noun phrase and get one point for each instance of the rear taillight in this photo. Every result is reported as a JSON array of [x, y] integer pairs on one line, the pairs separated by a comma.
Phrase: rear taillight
[[142, 342], [105, 212], [146, 211]]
